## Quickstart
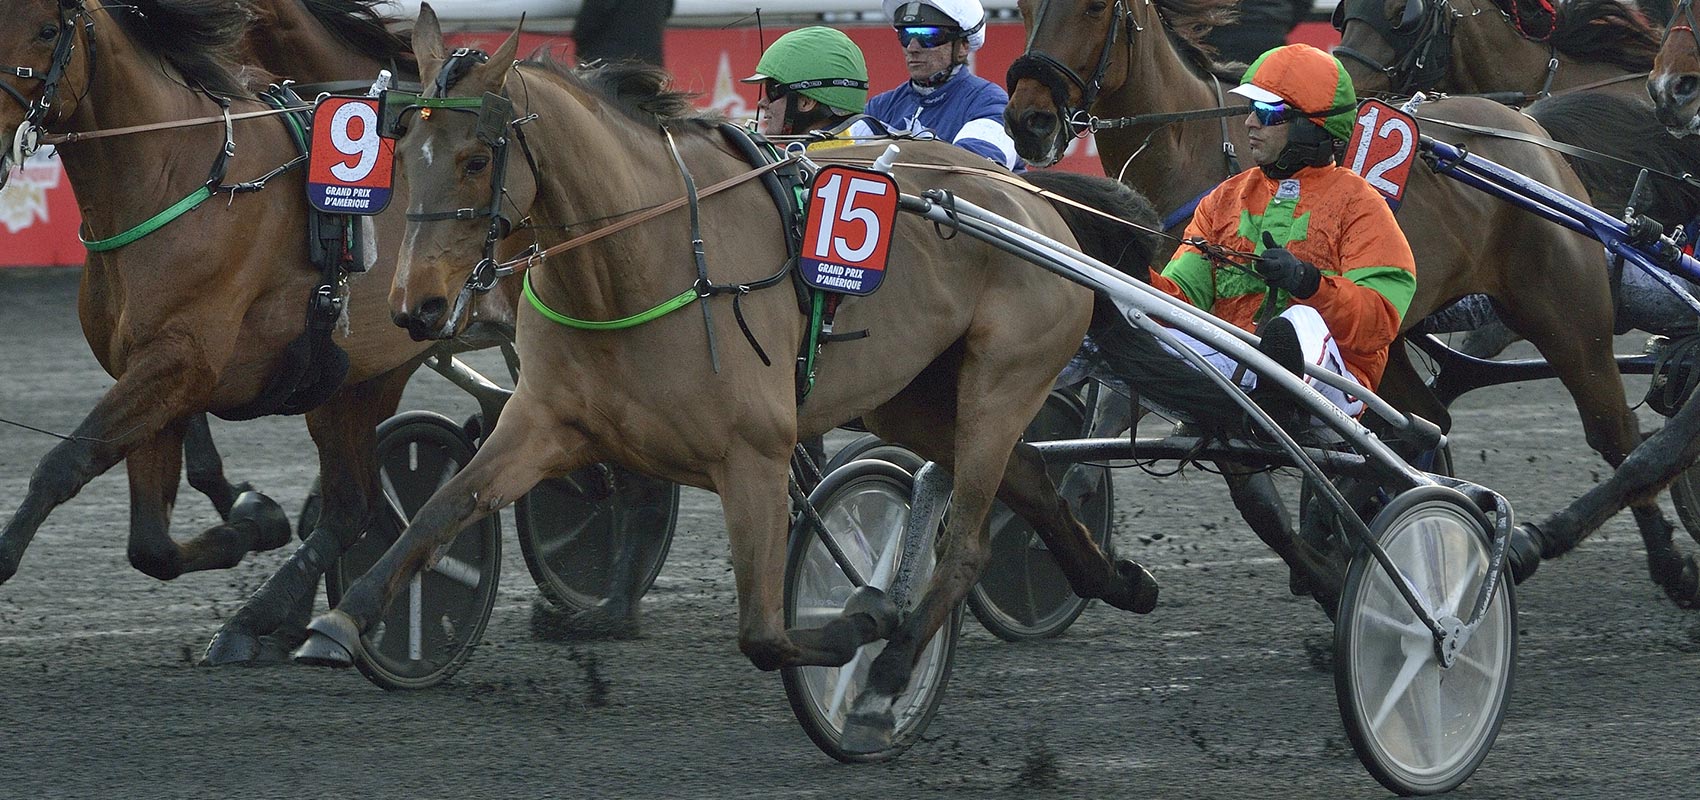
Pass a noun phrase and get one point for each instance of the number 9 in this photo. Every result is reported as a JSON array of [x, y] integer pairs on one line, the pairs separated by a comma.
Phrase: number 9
[[366, 147]]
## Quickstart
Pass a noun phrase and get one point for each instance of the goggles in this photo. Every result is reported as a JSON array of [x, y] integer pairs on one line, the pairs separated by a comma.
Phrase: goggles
[[929, 36], [774, 90], [1272, 114]]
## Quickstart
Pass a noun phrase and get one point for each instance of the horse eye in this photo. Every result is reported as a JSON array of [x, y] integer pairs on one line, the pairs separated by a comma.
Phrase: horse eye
[[477, 164], [1096, 7], [48, 32]]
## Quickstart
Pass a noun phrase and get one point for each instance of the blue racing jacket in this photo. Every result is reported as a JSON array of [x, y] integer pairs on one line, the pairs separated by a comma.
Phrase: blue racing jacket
[[966, 111]]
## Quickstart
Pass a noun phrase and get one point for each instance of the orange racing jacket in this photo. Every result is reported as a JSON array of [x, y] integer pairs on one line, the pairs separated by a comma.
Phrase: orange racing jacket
[[1328, 216]]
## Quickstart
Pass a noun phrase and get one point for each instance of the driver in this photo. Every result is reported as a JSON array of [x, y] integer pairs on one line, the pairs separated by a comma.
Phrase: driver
[[943, 96], [815, 79], [1334, 274]]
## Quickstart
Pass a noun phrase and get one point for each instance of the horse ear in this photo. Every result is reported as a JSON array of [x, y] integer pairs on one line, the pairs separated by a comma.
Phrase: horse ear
[[428, 44], [493, 72]]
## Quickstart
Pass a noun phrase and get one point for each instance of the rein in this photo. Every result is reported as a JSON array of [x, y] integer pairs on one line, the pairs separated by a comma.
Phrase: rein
[[1561, 147], [72, 137]]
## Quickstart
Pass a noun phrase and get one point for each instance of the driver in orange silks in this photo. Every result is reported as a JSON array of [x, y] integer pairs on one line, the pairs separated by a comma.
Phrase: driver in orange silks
[[1334, 274]]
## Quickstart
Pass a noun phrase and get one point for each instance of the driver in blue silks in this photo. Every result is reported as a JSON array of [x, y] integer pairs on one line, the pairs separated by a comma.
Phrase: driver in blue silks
[[942, 96]]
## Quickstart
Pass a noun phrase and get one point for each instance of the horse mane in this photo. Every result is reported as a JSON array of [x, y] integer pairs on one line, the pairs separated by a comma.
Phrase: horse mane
[[1622, 127], [357, 24], [1187, 22], [199, 38], [1606, 31], [637, 89]]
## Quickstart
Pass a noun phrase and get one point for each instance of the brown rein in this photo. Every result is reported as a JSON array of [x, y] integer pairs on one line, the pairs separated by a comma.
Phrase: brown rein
[[72, 137], [529, 260]]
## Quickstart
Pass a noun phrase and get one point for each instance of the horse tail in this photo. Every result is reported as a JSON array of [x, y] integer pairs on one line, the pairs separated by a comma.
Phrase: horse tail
[[1125, 248], [1626, 128]]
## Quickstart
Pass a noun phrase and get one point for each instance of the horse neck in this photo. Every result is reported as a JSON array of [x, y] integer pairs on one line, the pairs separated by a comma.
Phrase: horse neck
[[122, 180], [1183, 160], [288, 40], [1489, 55], [597, 166]]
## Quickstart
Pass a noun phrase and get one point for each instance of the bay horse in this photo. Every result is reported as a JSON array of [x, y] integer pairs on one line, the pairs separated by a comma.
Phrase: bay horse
[[1515, 48], [199, 315], [1674, 82], [963, 344], [1122, 59]]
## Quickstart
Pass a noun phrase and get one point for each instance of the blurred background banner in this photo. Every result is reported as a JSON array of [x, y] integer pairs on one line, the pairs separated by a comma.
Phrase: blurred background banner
[[706, 44]]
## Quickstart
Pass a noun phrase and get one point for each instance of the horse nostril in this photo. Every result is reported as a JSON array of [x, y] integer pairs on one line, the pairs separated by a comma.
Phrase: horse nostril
[[432, 310], [1039, 123], [1686, 86]]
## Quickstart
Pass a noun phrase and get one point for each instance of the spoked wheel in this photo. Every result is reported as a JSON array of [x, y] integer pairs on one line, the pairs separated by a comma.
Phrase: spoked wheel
[[1685, 495], [432, 626], [864, 505], [571, 528], [1023, 594], [1418, 727]]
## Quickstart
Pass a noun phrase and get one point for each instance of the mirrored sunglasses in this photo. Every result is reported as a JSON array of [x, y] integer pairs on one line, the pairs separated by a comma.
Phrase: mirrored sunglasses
[[1271, 114], [929, 36]]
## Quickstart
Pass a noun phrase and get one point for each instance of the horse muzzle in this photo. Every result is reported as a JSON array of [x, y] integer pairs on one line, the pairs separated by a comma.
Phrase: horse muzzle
[[429, 320], [1040, 136], [1676, 102]]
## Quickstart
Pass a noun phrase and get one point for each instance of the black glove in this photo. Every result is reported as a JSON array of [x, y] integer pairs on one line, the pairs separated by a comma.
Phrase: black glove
[[1283, 270]]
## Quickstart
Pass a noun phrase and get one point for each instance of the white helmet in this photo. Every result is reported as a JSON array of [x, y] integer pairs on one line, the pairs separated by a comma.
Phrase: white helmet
[[968, 15]]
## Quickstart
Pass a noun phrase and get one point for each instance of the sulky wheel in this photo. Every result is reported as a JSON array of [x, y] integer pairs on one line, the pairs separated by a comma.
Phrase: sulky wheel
[[1419, 727], [434, 623], [1022, 593], [1685, 495], [864, 504], [870, 446], [570, 529]]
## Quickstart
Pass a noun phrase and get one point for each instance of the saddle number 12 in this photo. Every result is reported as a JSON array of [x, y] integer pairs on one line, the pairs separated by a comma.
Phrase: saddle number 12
[[848, 233], [1383, 146]]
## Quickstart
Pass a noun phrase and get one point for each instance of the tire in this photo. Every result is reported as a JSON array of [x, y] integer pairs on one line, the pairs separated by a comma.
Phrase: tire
[[430, 630], [870, 446], [1023, 593], [1685, 495], [1438, 538], [569, 529], [864, 504]]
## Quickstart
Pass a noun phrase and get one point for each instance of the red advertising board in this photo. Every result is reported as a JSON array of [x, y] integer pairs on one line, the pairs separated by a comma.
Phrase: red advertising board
[[39, 219]]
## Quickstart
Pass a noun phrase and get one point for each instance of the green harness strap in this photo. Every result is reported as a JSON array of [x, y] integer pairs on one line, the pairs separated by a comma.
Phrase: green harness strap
[[684, 298], [148, 225]]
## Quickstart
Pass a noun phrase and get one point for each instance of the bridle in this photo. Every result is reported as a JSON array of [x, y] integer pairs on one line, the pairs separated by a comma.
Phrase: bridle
[[28, 135], [1058, 77], [1421, 40], [1685, 12], [496, 119]]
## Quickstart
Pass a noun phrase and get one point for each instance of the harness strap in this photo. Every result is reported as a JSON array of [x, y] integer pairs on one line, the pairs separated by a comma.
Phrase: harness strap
[[1561, 147], [148, 225], [72, 137]]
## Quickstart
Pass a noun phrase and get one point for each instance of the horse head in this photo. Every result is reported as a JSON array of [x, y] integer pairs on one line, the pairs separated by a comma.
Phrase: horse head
[[1394, 46], [1067, 65], [452, 147], [43, 69], [1674, 82]]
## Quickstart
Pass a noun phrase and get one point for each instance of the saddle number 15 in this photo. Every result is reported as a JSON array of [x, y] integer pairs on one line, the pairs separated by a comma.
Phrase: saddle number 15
[[848, 233], [1382, 148]]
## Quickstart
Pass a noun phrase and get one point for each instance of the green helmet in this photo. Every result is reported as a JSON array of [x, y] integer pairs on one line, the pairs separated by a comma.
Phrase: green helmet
[[819, 63]]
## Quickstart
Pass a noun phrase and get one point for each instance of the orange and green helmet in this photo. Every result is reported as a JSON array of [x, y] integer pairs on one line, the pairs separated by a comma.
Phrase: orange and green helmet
[[1305, 78]]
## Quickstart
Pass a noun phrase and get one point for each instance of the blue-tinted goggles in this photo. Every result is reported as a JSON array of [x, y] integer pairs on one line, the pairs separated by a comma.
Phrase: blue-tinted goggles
[[928, 36], [1271, 114]]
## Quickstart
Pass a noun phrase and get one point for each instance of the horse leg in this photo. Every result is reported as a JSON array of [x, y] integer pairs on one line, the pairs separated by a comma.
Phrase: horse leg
[[274, 618], [1584, 364], [528, 445], [1311, 571], [206, 469], [144, 400]]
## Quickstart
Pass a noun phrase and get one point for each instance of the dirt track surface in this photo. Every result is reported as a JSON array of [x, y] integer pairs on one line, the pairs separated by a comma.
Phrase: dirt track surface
[[1224, 692]]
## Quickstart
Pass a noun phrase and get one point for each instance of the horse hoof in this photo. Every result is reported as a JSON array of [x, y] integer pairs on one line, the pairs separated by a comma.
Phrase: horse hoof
[[1135, 589], [877, 606], [868, 732], [332, 641], [271, 525], [1523, 554], [231, 646]]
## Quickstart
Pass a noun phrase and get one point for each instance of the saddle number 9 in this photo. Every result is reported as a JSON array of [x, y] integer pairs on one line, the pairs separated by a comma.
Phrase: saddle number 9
[[852, 213], [1383, 146], [349, 167]]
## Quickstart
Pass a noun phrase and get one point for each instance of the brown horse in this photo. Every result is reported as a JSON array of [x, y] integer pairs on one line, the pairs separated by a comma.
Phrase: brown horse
[[1510, 47], [201, 314], [1674, 83], [1144, 57], [964, 342]]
